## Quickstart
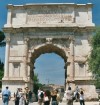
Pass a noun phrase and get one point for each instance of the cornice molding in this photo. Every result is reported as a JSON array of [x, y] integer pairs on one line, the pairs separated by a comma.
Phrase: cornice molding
[[25, 6]]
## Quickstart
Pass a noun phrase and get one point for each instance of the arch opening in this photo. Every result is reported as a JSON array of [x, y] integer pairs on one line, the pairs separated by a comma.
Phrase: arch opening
[[50, 69], [56, 51]]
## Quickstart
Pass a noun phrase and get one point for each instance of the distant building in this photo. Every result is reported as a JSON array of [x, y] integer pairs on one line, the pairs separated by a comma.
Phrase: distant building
[[47, 87]]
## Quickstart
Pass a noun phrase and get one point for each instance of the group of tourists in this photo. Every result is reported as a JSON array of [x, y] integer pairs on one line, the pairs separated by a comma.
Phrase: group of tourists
[[47, 97], [77, 95], [53, 97], [21, 97], [44, 97]]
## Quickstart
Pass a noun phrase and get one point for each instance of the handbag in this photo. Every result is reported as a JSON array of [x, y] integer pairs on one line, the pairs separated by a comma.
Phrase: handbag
[[73, 98], [46, 98]]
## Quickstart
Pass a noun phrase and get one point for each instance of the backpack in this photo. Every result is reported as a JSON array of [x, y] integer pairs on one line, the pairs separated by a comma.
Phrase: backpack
[[41, 95]]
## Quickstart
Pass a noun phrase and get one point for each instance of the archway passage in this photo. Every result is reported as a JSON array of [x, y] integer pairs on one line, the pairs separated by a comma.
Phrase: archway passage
[[49, 48]]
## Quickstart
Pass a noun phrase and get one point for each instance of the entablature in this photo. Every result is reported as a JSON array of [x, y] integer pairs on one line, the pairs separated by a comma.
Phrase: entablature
[[50, 15], [60, 29]]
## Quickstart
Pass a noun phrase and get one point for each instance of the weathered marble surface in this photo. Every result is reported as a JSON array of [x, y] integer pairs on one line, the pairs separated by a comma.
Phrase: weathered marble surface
[[34, 29]]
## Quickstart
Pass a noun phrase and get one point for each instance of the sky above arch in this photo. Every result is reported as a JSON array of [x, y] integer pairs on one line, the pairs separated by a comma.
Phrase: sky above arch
[[56, 61]]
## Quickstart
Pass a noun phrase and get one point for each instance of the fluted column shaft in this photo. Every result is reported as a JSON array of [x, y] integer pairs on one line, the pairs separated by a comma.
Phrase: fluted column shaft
[[25, 57], [6, 69], [72, 59]]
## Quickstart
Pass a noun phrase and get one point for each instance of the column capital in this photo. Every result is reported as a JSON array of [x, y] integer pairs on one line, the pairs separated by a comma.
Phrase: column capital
[[71, 39], [7, 39]]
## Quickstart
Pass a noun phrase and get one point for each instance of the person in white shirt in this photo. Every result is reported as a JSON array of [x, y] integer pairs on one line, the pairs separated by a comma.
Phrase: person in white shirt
[[40, 96], [22, 98], [69, 96], [82, 98]]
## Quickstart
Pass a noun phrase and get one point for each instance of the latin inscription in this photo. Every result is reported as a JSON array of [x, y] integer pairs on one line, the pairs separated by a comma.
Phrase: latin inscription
[[45, 14], [47, 18]]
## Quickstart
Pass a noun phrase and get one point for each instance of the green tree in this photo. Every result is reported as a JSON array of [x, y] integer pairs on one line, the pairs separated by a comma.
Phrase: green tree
[[2, 37], [1, 72], [94, 59], [36, 84], [2, 43]]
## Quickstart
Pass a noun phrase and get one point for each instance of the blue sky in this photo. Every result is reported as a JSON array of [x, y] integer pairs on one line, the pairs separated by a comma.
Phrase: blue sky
[[48, 66]]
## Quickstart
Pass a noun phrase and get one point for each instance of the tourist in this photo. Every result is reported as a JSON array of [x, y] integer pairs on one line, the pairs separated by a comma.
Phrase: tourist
[[69, 96], [17, 96], [30, 96], [26, 96], [40, 96], [77, 91], [6, 95], [82, 98], [58, 97], [22, 99], [54, 97], [46, 98]]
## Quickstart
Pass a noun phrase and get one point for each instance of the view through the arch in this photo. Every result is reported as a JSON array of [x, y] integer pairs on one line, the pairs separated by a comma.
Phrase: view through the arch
[[50, 69]]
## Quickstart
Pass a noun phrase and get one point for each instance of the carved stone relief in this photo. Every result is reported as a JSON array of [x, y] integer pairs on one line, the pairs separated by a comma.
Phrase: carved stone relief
[[38, 41], [63, 42]]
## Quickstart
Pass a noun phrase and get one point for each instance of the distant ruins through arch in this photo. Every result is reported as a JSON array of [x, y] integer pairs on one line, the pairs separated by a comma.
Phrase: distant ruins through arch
[[34, 29]]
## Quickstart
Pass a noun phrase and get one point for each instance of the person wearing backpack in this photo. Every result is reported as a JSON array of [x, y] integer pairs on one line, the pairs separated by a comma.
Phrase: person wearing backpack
[[40, 96]]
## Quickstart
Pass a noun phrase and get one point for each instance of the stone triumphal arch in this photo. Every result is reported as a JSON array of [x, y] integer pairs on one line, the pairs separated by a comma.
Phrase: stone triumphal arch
[[34, 29]]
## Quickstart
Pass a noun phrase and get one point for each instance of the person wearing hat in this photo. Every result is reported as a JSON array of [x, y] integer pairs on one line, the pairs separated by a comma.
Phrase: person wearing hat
[[6, 95]]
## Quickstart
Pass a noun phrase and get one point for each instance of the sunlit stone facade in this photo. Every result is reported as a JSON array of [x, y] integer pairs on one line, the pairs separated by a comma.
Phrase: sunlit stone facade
[[34, 29]]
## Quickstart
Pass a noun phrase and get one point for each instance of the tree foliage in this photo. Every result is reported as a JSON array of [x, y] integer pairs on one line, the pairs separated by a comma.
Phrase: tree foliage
[[36, 84], [2, 43], [2, 37], [1, 72], [94, 59]]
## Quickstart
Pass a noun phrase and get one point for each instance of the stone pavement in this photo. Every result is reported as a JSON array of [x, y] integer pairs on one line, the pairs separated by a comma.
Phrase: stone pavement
[[75, 103]]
